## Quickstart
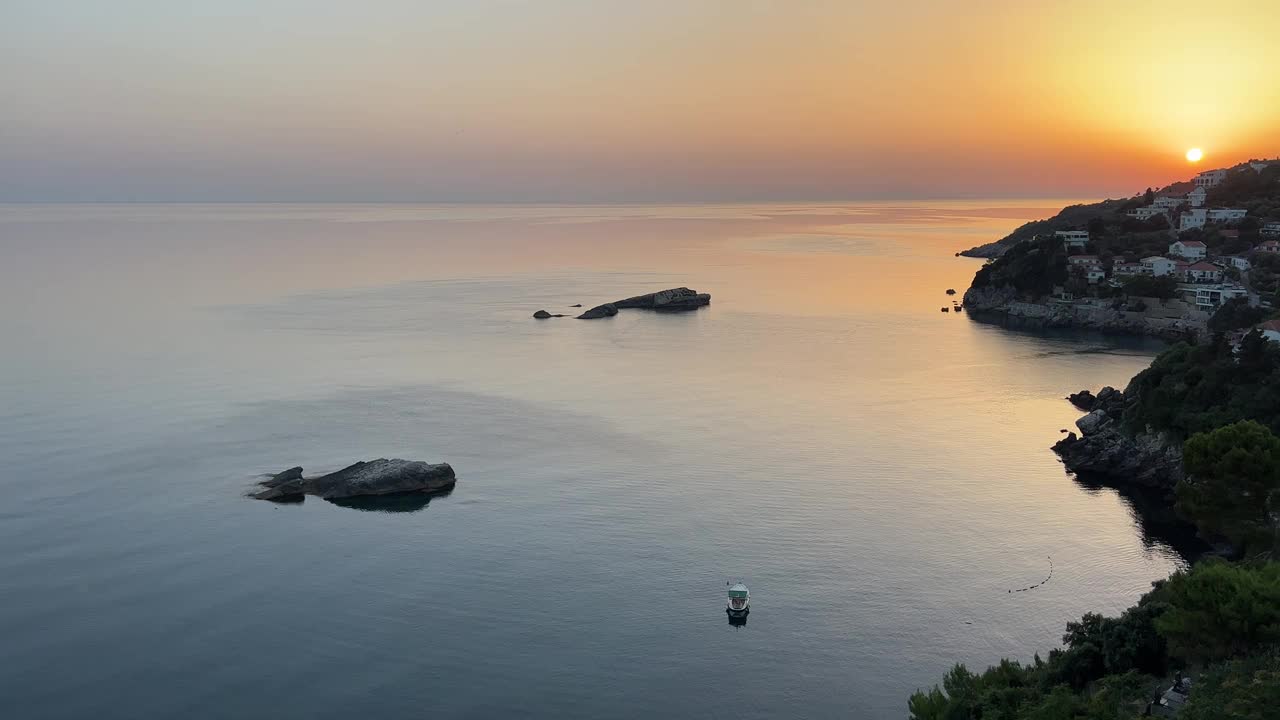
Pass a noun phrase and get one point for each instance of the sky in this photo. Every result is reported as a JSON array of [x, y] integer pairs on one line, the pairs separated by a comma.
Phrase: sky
[[609, 101]]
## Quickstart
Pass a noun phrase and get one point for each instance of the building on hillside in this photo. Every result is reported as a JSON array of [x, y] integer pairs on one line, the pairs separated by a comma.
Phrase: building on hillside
[[1208, 297], [1196, 197], [1168, 202], [1157, 266], [1227, 214], [1084, 261], [1238, 262], [1210, 178], [1270, 330], [1146, 213], [1203, 272], [1094, 274], [1258, 166], [1268, 246], [1271, 230], [1127, 269], [1192, 219], [1073, 239], [1189, 249]]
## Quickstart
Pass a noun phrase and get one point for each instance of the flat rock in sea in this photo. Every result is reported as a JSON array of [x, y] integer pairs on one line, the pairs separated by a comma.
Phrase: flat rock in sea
[[672, 300], [681, 298], [543, 315], [600, 311], [374, 477]]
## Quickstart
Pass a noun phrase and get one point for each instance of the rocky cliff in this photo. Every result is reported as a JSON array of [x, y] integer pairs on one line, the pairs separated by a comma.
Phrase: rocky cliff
[[1104, 449]]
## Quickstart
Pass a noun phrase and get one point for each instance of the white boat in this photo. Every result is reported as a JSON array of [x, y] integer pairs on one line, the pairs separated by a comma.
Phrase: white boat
[[739, 600]]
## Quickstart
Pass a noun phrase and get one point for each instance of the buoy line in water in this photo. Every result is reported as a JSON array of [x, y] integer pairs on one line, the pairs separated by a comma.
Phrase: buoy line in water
[[1045, 581]]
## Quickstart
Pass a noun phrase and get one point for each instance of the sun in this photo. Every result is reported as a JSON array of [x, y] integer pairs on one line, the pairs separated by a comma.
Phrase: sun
[[1194, 155]]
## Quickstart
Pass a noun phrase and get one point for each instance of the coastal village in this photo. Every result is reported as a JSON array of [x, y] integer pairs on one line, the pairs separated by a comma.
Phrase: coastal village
[[1161, 263]]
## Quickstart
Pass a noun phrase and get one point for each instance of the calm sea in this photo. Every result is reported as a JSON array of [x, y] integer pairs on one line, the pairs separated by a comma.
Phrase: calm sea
[[875, 470]]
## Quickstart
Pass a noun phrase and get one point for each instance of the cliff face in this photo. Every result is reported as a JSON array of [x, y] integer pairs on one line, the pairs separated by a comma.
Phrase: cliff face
[[1104, 449]]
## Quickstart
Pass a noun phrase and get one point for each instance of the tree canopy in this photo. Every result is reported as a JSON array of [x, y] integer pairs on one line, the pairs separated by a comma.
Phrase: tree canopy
[[1232, 485]]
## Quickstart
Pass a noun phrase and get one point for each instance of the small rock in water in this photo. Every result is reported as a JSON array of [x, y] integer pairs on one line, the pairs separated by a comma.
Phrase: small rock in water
[[542, 315]]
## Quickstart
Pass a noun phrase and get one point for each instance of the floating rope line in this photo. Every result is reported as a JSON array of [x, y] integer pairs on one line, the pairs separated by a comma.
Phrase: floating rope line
[[1045, 581]]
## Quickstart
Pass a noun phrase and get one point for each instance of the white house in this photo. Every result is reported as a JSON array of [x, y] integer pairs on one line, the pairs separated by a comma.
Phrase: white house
[[1238, 262], [1196, 197], [1157, 266], [1227, 214], [1192, 219], [1203, 272], [1270, 330], [1126, 269], [1146, 213], [1207, 297], [1271, 229], [1073, 239], [1209, 178], [1189, 249], [1095, 274], [1167, 202], [1084, 261]]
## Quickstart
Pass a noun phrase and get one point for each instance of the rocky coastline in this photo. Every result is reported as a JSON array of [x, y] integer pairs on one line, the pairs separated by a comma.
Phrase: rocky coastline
[[1003, 306], [1104, 449]]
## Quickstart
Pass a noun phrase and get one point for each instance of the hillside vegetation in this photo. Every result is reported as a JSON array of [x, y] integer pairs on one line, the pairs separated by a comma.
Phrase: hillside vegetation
[[1218, 620]]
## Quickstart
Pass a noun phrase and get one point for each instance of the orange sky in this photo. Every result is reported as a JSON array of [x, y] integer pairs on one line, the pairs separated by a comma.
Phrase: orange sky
[[576, 100]]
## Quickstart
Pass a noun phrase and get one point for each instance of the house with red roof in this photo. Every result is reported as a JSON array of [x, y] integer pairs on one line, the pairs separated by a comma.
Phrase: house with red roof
[[1202, 272], [1189, 249]]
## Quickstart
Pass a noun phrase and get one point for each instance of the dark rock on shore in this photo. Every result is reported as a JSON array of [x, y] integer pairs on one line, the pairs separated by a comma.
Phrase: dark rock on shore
[[576, 305], [375, 477], [600, 311], [1104, 449], [1083, 400], [543, 315]]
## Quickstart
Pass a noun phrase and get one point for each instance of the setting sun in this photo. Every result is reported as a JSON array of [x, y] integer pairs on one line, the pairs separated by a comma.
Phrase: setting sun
[[1194, 155]]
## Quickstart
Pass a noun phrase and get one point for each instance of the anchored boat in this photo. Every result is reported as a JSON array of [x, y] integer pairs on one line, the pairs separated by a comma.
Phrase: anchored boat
[[739, 600]]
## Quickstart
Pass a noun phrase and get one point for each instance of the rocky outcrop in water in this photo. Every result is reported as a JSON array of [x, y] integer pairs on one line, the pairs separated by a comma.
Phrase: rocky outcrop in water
[[673, 300], [374, 477], [1083, 400], [600, 311], [543, 315], [1104, 449]]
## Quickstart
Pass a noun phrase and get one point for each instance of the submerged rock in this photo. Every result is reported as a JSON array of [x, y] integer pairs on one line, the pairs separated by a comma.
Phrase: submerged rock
[[375, 477], [543, 315]]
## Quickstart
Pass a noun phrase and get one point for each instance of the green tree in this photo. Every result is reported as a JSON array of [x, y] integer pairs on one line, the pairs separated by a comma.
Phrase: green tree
[[1218, 610], [1235, 314], [1247, 689], [1233, 480]]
